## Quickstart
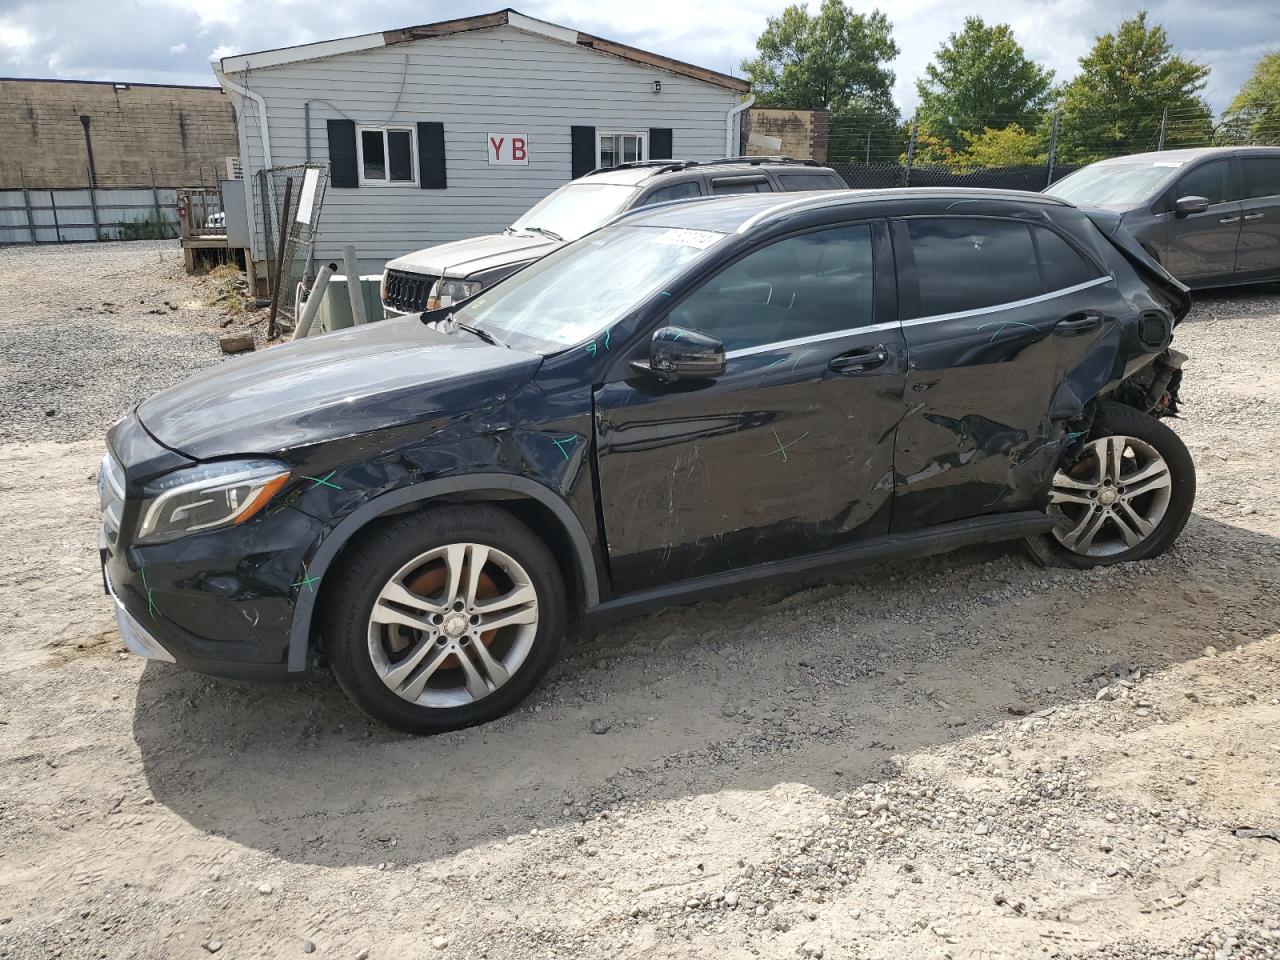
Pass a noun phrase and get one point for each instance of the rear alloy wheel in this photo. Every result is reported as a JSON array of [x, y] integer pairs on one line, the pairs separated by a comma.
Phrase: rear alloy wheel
[[445, 618], [1126, 496]]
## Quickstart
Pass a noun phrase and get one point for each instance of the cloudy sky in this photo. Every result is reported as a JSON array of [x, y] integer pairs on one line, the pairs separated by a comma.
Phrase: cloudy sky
[[171, 41]]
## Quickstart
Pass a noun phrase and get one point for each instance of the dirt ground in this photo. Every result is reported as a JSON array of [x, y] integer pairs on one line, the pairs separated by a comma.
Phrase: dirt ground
[[969, 757]]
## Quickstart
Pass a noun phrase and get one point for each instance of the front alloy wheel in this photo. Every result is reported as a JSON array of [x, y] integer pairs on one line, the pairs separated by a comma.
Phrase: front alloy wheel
[[444, 618], [453, 625]]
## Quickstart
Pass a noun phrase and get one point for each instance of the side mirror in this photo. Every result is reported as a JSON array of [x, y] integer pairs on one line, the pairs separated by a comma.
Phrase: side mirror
[[679, 354], [1184, 206]]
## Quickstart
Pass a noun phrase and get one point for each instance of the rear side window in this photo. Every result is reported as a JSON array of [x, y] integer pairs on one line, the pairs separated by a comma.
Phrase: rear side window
[[802, 286], [1261, 177], [1211, 180], [810, 181], [967, 264], [677, 191], [741, 185], [1061, 266]]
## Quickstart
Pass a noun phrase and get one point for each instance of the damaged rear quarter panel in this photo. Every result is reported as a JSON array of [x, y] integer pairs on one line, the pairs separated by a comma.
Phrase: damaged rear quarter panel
[[990, 394]]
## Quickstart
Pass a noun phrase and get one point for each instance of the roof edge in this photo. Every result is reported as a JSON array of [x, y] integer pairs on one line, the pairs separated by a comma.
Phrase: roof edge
[[500, 18]]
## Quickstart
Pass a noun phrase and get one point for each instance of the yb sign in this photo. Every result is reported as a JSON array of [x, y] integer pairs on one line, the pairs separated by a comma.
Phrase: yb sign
[[508, 149]]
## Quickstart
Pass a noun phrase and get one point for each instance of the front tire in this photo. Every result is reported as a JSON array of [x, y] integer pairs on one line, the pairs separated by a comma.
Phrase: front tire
[[1127, 496], [445, 618]]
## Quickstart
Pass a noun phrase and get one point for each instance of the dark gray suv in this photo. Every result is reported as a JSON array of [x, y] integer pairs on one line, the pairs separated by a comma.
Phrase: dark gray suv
[[1211, 216], [445, 274]]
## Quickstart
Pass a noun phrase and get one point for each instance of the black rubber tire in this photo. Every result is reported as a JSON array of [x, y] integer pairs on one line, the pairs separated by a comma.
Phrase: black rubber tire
[[1117, 419], [367, 566]]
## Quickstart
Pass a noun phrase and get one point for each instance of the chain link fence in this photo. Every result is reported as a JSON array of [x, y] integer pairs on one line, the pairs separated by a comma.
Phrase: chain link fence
[[1017, 153], [1034, 177], [290, 200]]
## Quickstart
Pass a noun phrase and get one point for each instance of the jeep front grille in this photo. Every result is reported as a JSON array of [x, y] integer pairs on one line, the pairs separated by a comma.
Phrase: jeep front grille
[[407, 292]]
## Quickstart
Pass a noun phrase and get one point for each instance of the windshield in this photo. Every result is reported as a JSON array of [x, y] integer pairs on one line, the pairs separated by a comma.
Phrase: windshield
[[576, 209], [1113, 186], [575, 293]]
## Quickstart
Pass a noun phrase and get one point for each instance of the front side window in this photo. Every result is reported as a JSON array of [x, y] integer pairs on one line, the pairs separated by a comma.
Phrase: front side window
[[387, 155], [1261, 177], [969, 263], [581, 290], [741, 185], [803, 286], [1211, 180], [621, 146], [677, 191]]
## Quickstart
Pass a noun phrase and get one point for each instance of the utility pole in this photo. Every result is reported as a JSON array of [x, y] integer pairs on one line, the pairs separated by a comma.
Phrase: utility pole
[[1053, 146], [911, 152], [1164, 126]]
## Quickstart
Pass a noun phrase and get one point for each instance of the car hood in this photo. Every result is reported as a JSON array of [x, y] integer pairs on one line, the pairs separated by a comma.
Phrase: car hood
[[385, 374], [462, 258]]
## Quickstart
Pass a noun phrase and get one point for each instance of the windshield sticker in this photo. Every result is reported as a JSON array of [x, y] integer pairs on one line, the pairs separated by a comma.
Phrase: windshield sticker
[[699, 239]]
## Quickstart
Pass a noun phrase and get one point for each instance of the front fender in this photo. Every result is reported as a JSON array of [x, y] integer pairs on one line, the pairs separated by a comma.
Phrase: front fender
[[471, 484]]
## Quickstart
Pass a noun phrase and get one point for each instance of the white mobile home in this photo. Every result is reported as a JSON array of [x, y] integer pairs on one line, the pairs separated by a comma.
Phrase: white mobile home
[[448, 130]]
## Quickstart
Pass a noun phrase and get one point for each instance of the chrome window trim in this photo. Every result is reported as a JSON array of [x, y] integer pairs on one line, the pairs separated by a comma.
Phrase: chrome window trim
[[816, 338], [979, 311]]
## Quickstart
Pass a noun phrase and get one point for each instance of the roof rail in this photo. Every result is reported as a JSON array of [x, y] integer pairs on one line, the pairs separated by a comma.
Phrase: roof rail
[[663, 166], [757, 161]]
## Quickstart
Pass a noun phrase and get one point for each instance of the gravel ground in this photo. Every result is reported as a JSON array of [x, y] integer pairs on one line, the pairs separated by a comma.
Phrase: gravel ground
[[966, 757]]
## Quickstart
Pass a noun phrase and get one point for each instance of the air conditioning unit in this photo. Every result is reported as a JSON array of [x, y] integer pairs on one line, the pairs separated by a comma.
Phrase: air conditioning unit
[[233, 168]]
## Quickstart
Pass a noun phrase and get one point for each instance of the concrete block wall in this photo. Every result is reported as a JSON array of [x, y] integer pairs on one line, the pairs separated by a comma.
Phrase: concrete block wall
[[142, 134], [794, 133]]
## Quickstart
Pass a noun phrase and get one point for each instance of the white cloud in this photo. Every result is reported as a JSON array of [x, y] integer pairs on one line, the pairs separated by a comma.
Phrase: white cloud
[[16, 38], [163, 39]]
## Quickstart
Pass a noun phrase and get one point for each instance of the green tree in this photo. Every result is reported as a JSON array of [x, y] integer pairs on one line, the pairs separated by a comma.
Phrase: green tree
[[1126, 83], [833, 60], [982, 78], [1254, 114], [1010, 146]]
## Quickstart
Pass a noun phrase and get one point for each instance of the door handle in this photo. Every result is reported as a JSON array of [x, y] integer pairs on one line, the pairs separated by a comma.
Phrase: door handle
[[1255, 216], [859, 361], [1074, 324], [1228, 219]]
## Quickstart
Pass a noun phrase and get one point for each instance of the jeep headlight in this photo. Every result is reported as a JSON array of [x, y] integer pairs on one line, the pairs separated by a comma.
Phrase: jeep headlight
[[208, 496], [445, 293]]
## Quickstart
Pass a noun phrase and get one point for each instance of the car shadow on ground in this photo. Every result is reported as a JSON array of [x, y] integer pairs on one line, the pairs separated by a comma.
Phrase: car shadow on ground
[[819, 685]]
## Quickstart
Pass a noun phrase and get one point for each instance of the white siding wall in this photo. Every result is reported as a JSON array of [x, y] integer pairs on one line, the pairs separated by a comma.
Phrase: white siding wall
[[499, 80]]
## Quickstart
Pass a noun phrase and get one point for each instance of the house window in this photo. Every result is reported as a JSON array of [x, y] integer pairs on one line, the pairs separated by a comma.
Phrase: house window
[[621, 146], [387, 155]]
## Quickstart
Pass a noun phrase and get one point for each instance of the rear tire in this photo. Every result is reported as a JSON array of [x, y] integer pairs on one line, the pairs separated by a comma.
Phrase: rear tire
[[1126, 497], [444, 619]]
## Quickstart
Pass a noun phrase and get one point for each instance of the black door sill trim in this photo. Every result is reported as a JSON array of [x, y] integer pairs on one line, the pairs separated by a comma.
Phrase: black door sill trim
[[894, 546]]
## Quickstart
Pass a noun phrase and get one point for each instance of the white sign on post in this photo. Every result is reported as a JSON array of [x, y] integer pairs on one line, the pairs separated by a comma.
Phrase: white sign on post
[[508, 149]]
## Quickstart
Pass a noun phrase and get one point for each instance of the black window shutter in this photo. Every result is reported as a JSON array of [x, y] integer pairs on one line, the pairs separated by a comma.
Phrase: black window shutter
[[583, 146], [659, 143], [342, 154], [431, 166]]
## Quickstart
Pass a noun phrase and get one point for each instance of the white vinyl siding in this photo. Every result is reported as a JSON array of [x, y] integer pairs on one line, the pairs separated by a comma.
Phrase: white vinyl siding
[[480, 82]]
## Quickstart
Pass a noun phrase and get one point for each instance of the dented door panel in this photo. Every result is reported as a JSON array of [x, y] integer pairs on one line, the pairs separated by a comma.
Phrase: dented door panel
[[777, 458]]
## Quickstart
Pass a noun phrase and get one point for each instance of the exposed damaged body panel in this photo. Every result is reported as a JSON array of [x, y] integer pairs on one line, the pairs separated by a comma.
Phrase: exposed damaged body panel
[[843, 376]]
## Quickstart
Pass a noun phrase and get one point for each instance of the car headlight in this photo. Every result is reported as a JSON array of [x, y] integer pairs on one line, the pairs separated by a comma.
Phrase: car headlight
[[445, 293], [382, 288], [208, 496]]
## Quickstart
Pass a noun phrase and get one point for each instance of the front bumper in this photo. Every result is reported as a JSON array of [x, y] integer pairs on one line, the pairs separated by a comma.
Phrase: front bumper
[[136, 639]]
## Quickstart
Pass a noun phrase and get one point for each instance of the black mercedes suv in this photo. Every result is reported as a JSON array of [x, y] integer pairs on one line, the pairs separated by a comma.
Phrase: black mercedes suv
[[692, 398]]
